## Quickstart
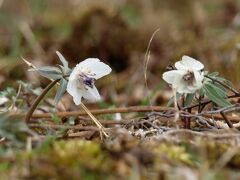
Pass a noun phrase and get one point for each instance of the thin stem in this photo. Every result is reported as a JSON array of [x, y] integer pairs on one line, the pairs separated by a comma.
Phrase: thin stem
[[229, 123], [38, 99], [199, 105], [186, 120], [176, 108], [205, 102]]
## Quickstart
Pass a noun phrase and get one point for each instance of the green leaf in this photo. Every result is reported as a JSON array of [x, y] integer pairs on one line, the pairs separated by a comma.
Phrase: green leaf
[[28, 88], [49, 72], [201, 92], [216, 95], [61, 90], [223, 80], [64, 62], [221, 91], [213, 74], [55, 118], [62, 59], [189, 99], [14, 129]]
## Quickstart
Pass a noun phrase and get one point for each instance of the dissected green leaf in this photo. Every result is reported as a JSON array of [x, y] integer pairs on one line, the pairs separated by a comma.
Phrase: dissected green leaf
[[61, 90], [14, 129], [28, 88], [216, 95], [49, 72]]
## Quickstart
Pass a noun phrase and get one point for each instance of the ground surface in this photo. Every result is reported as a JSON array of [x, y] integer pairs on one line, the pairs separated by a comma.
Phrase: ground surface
[[146, 140]]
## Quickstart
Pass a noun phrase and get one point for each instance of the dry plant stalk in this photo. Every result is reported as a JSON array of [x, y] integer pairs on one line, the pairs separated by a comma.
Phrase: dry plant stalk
[[99, 125]]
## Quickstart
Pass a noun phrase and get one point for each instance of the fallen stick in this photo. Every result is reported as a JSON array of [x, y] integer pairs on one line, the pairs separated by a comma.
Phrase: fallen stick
[[130, 109]]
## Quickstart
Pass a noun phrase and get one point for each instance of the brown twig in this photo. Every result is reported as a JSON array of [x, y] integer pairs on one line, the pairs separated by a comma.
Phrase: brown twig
[[107, 111], [203, 134], [167, 112], [38, 99], [229, 123], [56, 126]]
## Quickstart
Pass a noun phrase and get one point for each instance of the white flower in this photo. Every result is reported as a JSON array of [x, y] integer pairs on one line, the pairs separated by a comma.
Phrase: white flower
[[188, 76], [3, 100], [82, 79]]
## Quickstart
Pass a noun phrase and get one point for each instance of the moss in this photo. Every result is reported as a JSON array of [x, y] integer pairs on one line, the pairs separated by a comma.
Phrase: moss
[[121, 157]]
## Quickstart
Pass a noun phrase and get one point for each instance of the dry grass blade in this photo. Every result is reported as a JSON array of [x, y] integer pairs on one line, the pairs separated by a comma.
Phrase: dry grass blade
[[147, 57], [28, 63], [99, 125]]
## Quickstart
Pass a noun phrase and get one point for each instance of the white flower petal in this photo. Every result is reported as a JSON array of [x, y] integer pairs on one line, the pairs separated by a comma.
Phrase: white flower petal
[[171, 77], [199, 76], [74, 73], [74, 91], [3, 100], [191, 89], [91, 94], [188, 63], [98, 68], [182, 88], [77, 99]]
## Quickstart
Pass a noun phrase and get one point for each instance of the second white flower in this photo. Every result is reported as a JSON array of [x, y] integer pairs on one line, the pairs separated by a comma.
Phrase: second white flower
[[188, 76]]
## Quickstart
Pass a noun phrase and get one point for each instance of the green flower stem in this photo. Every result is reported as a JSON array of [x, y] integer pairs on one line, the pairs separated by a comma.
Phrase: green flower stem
[[38, 99], [186, 120]]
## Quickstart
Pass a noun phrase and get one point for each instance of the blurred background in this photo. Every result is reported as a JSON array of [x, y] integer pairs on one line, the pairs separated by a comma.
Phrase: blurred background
[[118, 32]]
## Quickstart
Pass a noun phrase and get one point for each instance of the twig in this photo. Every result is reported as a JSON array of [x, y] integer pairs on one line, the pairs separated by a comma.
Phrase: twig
[[234, 107], [107, 111], [229, 123], [55, 126], [203, 134], [38, 99], [167, 112]]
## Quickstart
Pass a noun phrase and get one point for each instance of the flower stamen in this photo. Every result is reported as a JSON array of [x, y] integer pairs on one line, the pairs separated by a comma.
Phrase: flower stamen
[[86, 81], [189, 77]]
